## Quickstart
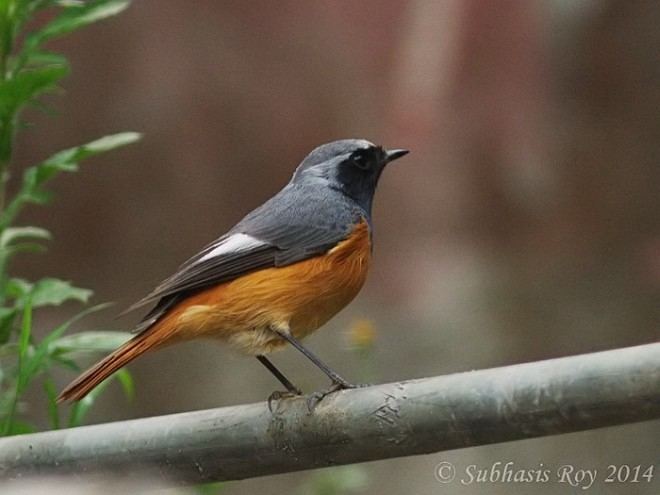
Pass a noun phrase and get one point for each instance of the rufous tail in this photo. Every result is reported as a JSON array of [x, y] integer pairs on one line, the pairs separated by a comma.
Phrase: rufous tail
[[135, 347]]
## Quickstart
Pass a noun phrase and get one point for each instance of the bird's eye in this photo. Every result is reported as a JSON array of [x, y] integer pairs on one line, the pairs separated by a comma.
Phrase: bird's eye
[[361, 162]]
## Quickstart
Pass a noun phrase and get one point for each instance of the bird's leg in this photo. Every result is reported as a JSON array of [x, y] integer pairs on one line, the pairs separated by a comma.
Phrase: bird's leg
[[338, 383], [292, 390], [336, 379], [290, 387]]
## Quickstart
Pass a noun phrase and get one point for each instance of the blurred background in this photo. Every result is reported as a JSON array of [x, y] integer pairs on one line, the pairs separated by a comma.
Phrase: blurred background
[[524, 224]]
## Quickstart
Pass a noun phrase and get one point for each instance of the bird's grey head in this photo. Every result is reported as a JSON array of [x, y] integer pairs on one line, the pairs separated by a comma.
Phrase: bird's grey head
[[351, 166]]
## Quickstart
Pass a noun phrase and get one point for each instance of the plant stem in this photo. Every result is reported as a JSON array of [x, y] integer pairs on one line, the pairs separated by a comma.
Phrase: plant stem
[[23, 344], [7, 35], [3, 184]]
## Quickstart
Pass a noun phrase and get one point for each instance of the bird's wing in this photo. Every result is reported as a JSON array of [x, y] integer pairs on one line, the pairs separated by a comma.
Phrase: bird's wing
[[226, 258], [280, 232], [237, 254]]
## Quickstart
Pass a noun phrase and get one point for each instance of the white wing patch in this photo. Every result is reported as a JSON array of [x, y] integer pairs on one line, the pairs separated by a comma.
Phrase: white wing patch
[[235, 243]]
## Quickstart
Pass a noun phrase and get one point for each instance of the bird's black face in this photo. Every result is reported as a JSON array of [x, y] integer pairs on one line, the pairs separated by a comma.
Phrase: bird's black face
[[352, 166]]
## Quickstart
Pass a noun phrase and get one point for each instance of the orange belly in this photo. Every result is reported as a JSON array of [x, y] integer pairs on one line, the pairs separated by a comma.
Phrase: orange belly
[[300, 297]]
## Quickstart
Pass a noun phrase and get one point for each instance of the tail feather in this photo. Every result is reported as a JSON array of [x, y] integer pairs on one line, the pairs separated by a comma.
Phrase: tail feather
[[135, 347]]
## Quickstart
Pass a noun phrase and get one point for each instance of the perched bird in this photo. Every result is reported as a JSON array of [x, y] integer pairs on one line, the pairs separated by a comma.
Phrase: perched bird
[[277, 276]]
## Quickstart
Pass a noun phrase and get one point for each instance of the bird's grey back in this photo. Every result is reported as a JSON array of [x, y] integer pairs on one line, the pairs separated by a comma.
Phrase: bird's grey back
[[302, 216]]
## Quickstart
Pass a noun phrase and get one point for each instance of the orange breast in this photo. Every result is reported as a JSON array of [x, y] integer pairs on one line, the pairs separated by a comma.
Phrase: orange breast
[[302, 297]]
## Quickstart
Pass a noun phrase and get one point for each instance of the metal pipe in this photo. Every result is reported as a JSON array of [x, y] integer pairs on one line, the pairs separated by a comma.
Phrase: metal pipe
[[392, 420]]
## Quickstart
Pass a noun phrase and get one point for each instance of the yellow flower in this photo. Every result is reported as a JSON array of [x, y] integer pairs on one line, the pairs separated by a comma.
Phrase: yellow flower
[[361, 333]]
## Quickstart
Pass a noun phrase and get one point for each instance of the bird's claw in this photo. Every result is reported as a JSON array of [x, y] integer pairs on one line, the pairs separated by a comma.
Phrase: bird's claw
[[313, 399], [279, 395]]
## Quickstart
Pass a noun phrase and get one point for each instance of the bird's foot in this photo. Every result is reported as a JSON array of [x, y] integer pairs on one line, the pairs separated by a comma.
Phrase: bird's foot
[[316, 397], [278, 395]]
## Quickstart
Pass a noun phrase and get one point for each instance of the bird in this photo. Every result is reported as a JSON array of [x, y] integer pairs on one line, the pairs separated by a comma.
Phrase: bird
[[278, 275]]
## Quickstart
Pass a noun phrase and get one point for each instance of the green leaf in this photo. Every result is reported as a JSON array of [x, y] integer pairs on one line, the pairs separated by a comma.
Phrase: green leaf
[[13, 234], [34, 360], [18, 288], [90, 341], [22, 10], [19, 90], [36, 196], [10, 242], [53, 292], [76, 16], [26, 86], [22, 247], [111, 142], [42, 57], [45, 292], [65, 161], [13, 15], [40, 359], [35, 177]]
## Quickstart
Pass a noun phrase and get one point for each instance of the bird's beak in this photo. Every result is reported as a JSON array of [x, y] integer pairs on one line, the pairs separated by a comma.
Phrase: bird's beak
[[392, 155]]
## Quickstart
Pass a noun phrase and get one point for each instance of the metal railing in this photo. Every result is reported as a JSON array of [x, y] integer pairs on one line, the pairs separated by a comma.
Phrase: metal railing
[[392, 420]]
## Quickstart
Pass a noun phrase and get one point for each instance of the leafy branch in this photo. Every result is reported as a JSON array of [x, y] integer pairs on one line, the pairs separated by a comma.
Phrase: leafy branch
[[28, 72]]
